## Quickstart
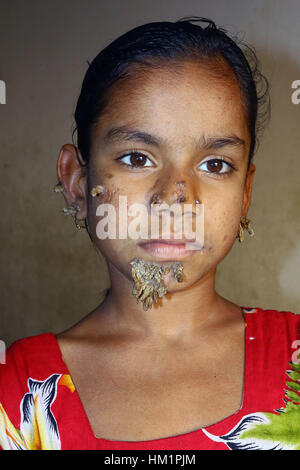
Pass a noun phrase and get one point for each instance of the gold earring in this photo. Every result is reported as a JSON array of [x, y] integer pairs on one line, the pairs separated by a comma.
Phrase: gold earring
[[96, 190], [244, 224]]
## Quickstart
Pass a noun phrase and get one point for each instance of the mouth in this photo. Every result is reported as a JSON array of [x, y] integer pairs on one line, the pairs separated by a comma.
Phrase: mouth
[[171, 249]]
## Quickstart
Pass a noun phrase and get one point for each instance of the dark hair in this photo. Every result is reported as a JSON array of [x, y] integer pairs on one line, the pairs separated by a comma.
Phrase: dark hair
[[170, 41]]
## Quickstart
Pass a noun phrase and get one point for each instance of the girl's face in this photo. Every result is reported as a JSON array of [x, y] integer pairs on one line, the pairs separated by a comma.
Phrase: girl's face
[[173, 135]]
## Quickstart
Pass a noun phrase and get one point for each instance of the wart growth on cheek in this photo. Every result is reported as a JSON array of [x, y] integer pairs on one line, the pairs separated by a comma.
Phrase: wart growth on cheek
[[107, 194], [178, 271], [97, 190], [148, 280]]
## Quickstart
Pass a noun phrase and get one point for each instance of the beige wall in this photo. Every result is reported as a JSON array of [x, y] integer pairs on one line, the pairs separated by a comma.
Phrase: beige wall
[[50, 274]]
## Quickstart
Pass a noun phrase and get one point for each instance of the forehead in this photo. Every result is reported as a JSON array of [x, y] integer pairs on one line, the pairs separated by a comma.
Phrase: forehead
[[179, 100]]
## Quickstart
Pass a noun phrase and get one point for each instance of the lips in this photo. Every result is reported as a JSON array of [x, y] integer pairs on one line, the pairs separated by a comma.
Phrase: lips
[[170, 249]]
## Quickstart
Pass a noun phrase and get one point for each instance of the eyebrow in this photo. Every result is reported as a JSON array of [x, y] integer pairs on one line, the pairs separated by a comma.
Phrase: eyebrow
[[123, 133]]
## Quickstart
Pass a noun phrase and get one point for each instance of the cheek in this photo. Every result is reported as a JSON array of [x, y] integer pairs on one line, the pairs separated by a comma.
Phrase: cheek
[[222, 220], [113, 217], [110, 196], [112, 248], [227, 228]]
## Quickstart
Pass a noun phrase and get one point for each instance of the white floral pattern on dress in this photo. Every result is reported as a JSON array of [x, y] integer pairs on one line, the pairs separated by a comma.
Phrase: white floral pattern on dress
[[38, 426]]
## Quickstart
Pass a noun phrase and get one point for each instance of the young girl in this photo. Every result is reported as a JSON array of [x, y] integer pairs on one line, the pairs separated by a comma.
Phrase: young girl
[[168, 114]]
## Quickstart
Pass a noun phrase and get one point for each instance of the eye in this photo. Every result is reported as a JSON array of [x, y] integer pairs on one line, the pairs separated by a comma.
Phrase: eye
[[135, 159], [217, 166]]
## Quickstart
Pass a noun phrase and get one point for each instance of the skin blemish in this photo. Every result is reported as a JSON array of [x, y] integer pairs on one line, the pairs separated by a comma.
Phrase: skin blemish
[[179, 193], [97, 190], [156, 199], [148, 280], [109, 195]]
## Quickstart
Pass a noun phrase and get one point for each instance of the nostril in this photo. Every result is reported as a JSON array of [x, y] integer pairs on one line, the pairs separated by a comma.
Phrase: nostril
[[156, 199]]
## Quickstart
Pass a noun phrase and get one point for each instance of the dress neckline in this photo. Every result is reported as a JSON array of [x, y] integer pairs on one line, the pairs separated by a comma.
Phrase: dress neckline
[[212, 426]]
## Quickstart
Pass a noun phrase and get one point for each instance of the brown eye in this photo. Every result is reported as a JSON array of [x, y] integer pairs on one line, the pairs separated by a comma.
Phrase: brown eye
[[135, 160], [138, 159], [217, 166]]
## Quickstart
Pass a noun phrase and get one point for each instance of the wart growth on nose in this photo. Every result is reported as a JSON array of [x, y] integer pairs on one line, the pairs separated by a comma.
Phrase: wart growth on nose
[[148, 280]]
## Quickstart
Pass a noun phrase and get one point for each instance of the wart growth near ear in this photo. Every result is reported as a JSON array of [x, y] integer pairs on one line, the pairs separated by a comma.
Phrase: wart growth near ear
[[148, 280]]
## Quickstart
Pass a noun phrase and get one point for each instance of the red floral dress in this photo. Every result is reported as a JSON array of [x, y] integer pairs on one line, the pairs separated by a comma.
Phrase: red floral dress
[[41, 409]]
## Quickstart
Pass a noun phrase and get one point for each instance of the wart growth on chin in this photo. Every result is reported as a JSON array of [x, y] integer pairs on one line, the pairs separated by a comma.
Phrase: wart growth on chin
[[148, 280]]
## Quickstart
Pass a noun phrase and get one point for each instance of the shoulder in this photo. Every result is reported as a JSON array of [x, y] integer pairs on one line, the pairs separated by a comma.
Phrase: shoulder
[[27, 353], [272, 316], [30, 342], [34, 357], [29, 381], [279, 329]]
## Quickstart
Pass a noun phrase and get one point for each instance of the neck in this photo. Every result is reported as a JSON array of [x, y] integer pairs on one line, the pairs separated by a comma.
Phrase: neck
[[180, 315]]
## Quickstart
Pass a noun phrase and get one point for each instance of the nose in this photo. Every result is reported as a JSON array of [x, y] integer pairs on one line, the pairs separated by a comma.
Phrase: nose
[[180, 191], [186, 217]]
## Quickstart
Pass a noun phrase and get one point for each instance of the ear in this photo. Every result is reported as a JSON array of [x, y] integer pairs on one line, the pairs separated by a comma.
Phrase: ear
[[71, 171], [248, 188]]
